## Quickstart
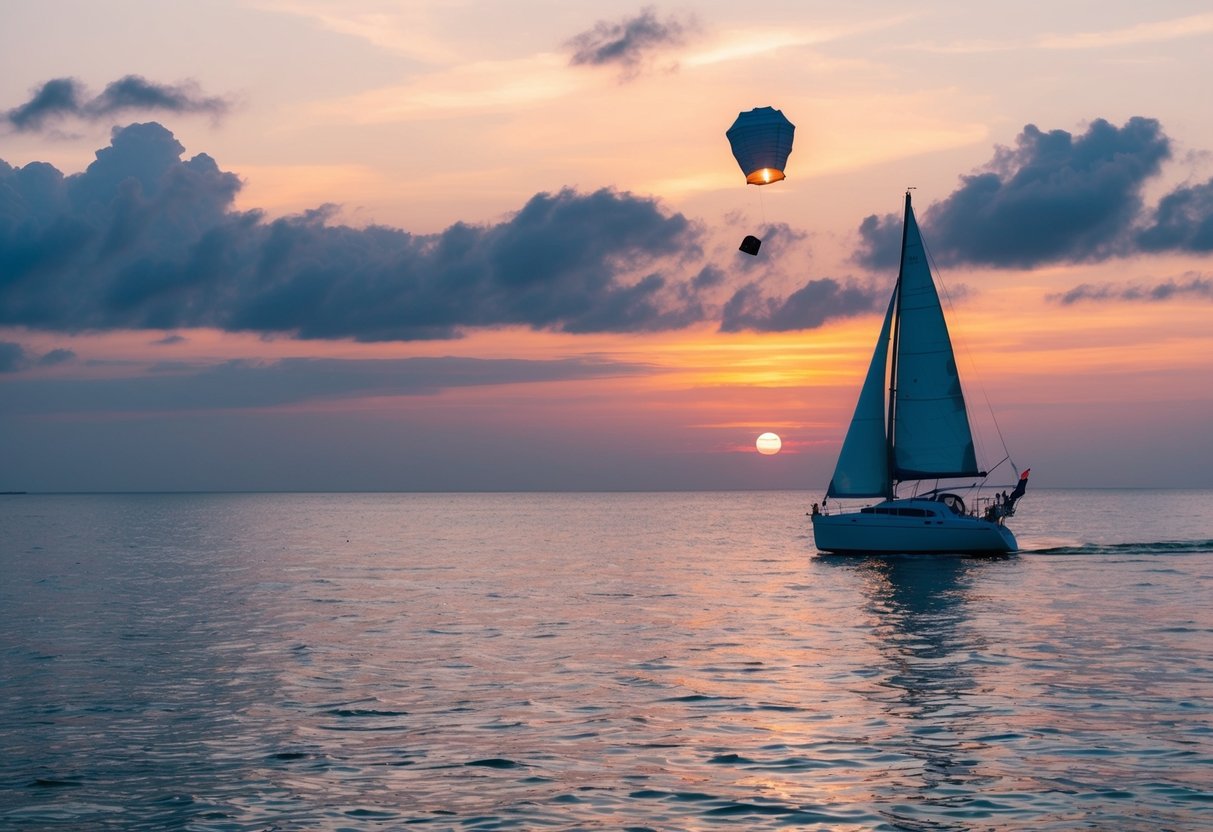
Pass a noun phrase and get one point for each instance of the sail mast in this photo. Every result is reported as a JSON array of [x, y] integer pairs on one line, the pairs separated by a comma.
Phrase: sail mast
[[905, 224]]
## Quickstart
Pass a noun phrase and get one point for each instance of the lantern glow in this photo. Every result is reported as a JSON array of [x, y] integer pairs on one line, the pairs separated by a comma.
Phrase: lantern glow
[[761, 140]]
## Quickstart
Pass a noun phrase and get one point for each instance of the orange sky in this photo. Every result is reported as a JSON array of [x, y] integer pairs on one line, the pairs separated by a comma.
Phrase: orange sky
[[422, 116]]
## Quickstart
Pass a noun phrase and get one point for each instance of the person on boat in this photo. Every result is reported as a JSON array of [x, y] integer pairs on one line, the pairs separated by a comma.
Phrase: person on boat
[[1021, 486], [816, 509]]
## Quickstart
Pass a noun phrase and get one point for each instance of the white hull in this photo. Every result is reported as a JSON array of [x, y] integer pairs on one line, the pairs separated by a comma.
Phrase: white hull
[[910, 527]]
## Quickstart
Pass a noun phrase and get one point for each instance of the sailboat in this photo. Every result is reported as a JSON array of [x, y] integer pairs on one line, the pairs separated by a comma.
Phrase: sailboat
[[911, 426]]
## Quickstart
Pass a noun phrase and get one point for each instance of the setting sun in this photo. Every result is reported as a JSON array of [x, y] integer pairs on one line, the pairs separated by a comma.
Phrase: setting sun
[[768, 444]]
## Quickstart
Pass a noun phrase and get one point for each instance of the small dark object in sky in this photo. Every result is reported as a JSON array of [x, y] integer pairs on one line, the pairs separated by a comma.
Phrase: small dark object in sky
[[750, 245]]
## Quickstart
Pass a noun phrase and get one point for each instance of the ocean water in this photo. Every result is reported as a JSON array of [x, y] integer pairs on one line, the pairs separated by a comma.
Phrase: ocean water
[[597, 661]]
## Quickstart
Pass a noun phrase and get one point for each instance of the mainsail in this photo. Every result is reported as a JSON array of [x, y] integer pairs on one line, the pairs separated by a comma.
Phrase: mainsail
[[930, 436]]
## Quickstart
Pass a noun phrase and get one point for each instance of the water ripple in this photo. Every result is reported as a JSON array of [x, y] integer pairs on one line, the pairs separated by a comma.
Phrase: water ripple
[[642, 662]]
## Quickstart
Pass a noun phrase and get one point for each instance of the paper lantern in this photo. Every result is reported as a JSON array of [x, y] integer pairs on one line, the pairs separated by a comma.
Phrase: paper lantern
[[761, 140]]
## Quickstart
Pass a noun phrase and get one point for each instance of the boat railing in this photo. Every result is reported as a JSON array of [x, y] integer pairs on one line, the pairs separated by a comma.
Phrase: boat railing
[[993, 508]]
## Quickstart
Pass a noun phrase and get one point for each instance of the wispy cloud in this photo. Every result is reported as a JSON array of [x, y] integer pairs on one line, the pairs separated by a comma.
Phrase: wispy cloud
[[1194, 286], [1160, 31], [252, 384], [408, 29], [480, 86], [630, 44], [1155, 32], [748, 44], [14, 357], [65, 98], [980, 46], [808, 307], [752, 41]]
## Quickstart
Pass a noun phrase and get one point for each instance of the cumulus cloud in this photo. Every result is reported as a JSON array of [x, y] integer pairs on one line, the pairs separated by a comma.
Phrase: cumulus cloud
[[62, 98], [1196, 286], [147, 239], [1054, 197], [808, 307], [144, 239], [880, 241], [1183, 221], [629, 44]]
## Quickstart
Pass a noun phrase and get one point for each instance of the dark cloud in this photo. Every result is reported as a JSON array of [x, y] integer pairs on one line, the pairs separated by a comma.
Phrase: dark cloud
[[780, 243], [56, 356], [807, 308], [133, 92], [708, 277], [56, 98], [628, 44], [170, 339], [1183, 221], [174, 386], [1197, 286], [143, 239], [67, 98], [12, 357], [1053, 197], [880, 242]]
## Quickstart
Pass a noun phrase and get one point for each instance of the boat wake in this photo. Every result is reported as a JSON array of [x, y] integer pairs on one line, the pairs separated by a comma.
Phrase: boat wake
[[1161, 547]]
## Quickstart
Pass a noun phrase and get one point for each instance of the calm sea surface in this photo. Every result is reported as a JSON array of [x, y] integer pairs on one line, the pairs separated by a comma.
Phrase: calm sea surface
[[597, 661]]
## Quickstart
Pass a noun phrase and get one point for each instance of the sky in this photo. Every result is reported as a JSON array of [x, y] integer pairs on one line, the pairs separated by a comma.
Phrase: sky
[[368, 245]]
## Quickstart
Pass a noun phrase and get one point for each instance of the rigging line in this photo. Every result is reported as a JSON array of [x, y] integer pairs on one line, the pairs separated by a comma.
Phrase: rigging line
[[994, 468], [969, 354]]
